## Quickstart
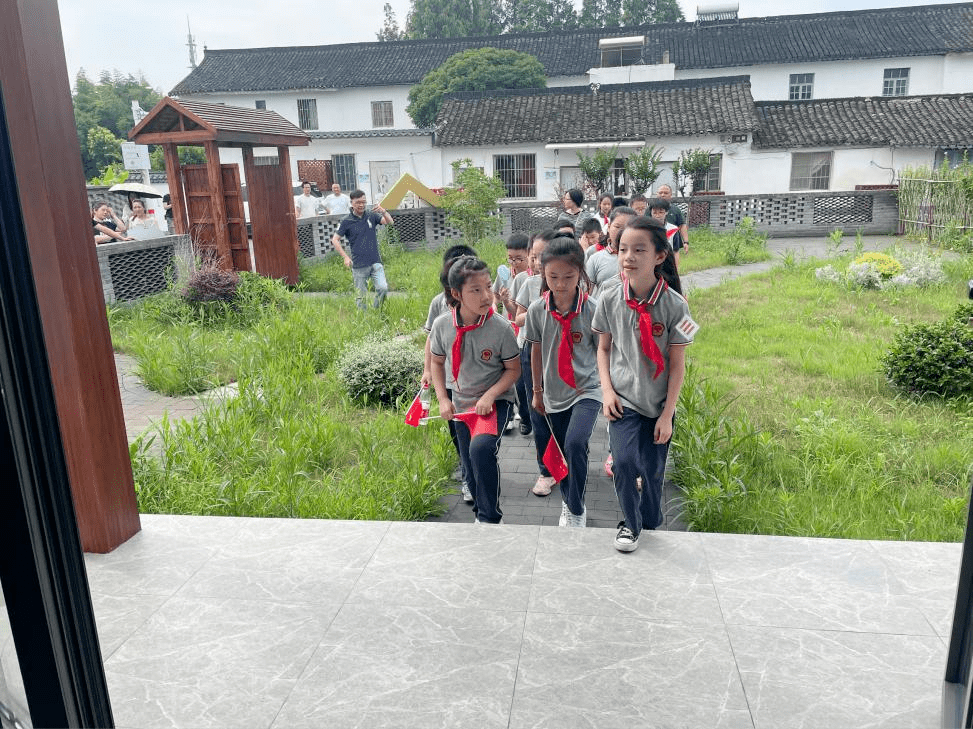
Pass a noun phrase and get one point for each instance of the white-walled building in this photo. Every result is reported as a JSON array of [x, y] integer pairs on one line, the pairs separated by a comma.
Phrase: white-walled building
[[351, 99]]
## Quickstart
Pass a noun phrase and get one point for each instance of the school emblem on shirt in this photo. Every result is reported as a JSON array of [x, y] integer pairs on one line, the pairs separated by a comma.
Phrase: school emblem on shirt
[[486, 354], [576, 337], [658, 329]]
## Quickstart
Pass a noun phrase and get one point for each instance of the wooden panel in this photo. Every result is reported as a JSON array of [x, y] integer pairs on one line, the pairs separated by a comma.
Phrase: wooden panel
[[50, 186], [236, 224], [318, 171], [195, 180], [272, 219]]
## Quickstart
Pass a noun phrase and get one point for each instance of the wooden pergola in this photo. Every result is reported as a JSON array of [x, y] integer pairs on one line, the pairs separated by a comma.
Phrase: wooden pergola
[[207, 200]]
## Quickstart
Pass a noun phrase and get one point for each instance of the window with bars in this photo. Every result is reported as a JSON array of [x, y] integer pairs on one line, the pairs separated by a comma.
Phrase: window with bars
[[810, 170], [801, 86], [343, 167], [260, 104], [382, 114], [711, 183], [307, 113], [517, 172], [954, 157], [896, 82]]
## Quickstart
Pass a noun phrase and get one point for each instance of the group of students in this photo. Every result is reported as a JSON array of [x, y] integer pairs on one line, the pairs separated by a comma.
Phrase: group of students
[[570, 345]]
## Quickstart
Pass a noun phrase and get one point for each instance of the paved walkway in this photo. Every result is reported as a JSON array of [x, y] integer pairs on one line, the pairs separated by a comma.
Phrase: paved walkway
[[517, 455]]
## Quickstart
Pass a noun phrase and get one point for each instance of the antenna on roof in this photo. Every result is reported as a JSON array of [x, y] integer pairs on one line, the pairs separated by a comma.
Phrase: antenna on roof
[[191, 43]]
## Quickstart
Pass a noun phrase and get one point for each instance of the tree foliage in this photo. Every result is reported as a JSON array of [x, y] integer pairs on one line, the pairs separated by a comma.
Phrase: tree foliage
[[390, 29], [692, 166], [597, 168], [479, 69], [453, 19], [642, 168], [471, 202], [106, 106], [539, 16]]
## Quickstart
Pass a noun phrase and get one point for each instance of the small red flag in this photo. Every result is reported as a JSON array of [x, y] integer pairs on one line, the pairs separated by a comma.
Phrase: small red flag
[[417, 411], [554, 460], [479, 424]]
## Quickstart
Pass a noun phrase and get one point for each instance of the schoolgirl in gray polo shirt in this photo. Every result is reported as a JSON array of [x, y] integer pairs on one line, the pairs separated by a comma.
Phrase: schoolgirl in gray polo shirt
[[644, 325], [475, 358], [567, 390]]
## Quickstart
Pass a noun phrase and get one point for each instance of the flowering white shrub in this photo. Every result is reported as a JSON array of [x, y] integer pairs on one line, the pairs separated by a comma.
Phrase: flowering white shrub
[[918, 269]]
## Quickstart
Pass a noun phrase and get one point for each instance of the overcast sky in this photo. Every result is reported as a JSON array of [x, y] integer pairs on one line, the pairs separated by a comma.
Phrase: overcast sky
[[151, 37]]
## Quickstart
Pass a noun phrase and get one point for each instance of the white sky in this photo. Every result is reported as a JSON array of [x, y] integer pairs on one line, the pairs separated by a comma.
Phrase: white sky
[[151, 37]]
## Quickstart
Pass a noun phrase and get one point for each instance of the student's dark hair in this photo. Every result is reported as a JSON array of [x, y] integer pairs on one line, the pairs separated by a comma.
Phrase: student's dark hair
[[659, 203], [355, 194], [566, 228], [618, 202], [449, 257], [666, 269], [462, 269], [518, 242], [591, 225], [608, 195], [95, 204], [622, 210], [637, 198], [577, 197], [545, 235], [570, 251]]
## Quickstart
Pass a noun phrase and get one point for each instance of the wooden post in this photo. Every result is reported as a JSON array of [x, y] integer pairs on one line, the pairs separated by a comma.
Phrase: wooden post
[[218, 205], [67, 279], [174, 177], [284, 160]]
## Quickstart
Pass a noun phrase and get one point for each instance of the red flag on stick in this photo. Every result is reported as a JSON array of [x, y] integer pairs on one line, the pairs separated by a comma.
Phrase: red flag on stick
[[417, 411], [479, 424], [554, 460]]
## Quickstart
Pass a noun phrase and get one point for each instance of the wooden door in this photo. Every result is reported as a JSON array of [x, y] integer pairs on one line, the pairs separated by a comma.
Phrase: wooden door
[[202, 223], [236, 224], [272, 218]]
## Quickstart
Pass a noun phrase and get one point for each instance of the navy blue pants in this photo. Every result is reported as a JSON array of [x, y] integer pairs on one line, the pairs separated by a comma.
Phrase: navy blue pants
[[541, 432], [481, 465], [635, 454], [572, 431]]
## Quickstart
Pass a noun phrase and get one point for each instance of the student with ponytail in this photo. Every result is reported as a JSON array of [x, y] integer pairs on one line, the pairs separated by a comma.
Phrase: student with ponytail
[[644, 327], [475, 363], [567, 393]]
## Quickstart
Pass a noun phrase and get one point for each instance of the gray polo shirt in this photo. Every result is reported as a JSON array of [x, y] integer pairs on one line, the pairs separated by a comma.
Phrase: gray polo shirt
[[631, 370], [543, 328], [601, 267], [437, 307], [484, 351]]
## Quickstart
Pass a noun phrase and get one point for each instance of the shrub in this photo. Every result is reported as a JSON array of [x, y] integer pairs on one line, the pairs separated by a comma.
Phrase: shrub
[[932, 359], [380, 371], [881, 271], [885, 265], [210, 284]]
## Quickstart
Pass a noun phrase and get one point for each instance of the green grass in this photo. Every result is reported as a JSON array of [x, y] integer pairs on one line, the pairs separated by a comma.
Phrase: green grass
[[708, 249], [790, 427]]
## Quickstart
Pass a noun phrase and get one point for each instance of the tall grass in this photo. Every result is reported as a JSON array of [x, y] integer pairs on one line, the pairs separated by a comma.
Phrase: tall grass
[[788, 427], [709, 249]]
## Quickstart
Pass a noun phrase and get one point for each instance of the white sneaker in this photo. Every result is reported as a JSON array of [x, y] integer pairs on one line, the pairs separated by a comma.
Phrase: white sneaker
[[578, 521], [625, 540], [543, 486], [467, 496], [565, 512]]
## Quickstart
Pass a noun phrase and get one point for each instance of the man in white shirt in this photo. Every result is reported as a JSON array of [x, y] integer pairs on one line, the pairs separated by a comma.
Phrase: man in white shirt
[[337, 203], [305, 204]]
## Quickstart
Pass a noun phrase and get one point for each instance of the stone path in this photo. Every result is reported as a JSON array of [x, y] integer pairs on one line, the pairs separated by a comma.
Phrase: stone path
[[518, 462]]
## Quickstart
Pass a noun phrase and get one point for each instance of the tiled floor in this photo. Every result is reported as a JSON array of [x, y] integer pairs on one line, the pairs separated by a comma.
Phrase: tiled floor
[[223, 622]]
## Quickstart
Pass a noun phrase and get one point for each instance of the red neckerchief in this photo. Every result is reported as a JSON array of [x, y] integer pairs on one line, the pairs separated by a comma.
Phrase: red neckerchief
[[649, 348], [460, 332], [565, 350]]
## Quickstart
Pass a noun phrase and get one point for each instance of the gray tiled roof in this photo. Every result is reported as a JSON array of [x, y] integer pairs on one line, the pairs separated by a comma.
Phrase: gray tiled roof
[[909, 121], [372, 133], [883, 33], [616, 113]]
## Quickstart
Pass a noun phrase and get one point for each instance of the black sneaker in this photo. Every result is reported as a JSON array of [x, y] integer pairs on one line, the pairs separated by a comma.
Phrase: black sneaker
[[525, 427], [625, 540]]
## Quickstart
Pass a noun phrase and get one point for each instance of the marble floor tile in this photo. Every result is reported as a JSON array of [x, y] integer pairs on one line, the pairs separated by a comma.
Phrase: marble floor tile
[[928, 571], [460, 565], [579, 572], [806, 679], [213, 663], [819, 584], [119, 616], [159, 559], [393, 666], [289, 560], [621, 672]]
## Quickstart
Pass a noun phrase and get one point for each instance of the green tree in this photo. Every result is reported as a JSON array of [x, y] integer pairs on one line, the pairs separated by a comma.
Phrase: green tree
[[692, 166], [642, 12], [390, 29], [538, 16], [479, 69], [102, 148], [471, 202], [453, 19], [642, 168], [597, 168], [187, 156], [107, 104]]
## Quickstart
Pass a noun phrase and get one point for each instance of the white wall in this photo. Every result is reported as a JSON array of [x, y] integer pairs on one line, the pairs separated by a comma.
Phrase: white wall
[[837, 79]]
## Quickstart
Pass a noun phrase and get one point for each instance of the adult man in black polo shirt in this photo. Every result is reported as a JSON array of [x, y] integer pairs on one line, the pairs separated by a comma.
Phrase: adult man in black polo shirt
[[675, 216], [359, 227]]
